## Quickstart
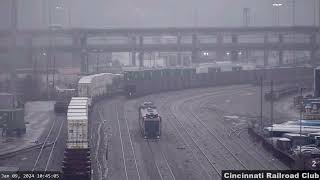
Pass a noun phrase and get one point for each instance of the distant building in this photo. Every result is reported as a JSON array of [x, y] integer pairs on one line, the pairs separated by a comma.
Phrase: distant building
[[317, 82]]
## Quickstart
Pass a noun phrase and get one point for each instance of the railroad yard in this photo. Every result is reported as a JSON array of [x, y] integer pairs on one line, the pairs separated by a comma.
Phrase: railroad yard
[[204, 131], [159, 90]]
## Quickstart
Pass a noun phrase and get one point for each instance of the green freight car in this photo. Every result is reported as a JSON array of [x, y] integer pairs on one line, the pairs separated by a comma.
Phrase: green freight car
[[12, 120], [11, 115]]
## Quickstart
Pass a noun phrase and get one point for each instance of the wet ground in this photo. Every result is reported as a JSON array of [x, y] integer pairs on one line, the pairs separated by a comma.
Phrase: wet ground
[[203, 132], [37, 117]]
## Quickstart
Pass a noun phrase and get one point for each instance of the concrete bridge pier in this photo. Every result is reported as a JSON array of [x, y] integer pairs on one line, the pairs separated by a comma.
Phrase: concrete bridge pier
[[141, 52], [280, 52], [80, 42], [84, 55], [313, 41], [265, 52], [194, 53], [265, 58], [29, 51], [84, 67], [179, 59], [220, 53], [75, 55], [234, 53], [133, 51]]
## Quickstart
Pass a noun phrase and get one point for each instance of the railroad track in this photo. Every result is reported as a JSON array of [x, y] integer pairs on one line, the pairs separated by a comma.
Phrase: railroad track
[[98, 141], [53, 147], [194, 151], [199, 153], [190, 141], [160, 160], [258, 154], [193, 144], [252, 152], [128, 155], [232, 154], [24, 150], [247, 144], [225, 151], [43, 160], [222, 157], [244, 151], [97, 146], [29, 148]]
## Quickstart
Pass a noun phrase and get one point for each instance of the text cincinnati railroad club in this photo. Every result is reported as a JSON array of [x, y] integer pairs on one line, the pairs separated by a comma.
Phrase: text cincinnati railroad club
[[270, 175]]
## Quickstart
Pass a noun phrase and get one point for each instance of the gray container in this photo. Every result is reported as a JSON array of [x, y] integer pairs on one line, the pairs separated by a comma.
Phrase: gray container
[[317, 140], [284, 144], [7, 101], [296, 139]]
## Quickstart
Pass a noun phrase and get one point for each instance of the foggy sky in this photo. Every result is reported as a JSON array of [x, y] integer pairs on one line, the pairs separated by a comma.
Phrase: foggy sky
[[33, 14]]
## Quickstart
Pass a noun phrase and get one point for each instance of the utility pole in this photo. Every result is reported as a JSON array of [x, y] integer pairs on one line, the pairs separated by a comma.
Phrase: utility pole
[[69, 13], [54, 71], [261, 101], [87, 64], [314, 12], [34, 76], [50, 46], [13, 48], [293, 24], [246, 17], [300, 115], [293, 12], [271, 107], [300, 129], [47, 74], [97, 63]]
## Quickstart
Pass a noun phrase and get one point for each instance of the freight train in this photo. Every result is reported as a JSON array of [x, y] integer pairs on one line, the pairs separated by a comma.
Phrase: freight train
[[281, 91], [148, 81], [77, 161], [98, 85], [149, 121]]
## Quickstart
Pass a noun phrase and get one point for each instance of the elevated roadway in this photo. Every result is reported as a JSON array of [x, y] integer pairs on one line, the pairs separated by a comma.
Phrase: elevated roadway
[[169, 39]]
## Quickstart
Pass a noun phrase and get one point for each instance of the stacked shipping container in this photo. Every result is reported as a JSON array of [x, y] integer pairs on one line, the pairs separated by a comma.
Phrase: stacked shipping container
[[77, 163]]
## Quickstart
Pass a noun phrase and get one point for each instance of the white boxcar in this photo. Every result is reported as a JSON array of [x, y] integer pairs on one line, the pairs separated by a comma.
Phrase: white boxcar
[[76, 114], [79, 98], [78, 103], [77, 132], [85, 88], [95, 86], [78, 107], [77, 111]]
